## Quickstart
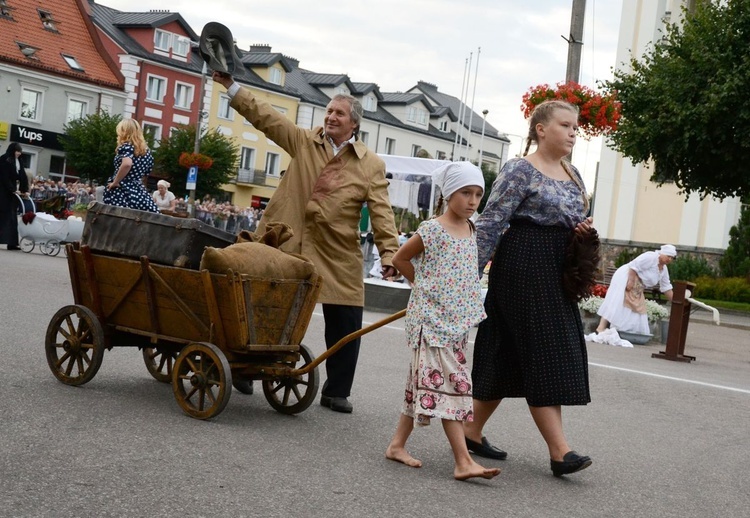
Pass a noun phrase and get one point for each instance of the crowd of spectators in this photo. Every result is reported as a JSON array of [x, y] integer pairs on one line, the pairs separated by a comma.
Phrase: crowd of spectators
[[223, 215], [227, 216], [75, 193]]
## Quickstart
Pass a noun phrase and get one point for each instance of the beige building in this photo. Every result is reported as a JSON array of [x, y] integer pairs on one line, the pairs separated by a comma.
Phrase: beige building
[[628, 207]]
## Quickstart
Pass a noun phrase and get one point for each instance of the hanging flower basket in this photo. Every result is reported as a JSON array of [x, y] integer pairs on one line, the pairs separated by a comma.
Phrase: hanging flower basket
[[598, 114], [202, 162]]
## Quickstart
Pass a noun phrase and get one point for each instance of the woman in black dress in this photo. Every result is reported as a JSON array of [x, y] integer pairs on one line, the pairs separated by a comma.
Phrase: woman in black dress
[[532, 344], [133, 161], [12, 178]]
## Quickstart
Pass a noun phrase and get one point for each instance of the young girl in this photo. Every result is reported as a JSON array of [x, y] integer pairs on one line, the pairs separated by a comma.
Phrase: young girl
[[445, 304]]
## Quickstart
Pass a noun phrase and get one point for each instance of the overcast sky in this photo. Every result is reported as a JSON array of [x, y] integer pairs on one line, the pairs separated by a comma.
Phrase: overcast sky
[[396, 43]]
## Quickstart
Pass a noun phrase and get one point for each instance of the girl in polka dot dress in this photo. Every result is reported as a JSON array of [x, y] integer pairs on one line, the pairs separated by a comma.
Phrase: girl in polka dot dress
[[445, 304], [133, 161]]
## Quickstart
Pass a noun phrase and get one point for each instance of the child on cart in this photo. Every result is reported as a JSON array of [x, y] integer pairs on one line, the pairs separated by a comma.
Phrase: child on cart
[[445, 304]]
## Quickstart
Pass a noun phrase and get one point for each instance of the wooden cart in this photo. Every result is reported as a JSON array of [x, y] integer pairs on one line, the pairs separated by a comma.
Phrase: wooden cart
[[202, 332]]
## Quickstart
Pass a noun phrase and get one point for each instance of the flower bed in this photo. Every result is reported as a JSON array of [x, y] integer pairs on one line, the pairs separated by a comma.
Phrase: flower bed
[[654, 310]]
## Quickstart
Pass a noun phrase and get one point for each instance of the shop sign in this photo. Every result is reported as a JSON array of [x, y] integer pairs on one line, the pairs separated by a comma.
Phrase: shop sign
[[35, 137]]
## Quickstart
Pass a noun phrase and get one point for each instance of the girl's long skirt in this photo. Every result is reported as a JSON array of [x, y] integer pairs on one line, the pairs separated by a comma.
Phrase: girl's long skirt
[[531, 345], [439, 384]]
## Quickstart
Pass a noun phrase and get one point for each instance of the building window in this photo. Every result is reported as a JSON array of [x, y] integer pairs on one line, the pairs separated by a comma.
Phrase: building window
[[443, 126], [76, 109], [342, 90], [390, 146], [5, 10], [363, 136], [274, 76], [31, 105], [225, 111], [155, 88], [272, 164], [415, 149], [180, 45], [422, 117], [183, 95], [47, 21], [440, 155], [162, 40], [72, 63], [152, 131], [247, 158], [369, 103], [411, 114]]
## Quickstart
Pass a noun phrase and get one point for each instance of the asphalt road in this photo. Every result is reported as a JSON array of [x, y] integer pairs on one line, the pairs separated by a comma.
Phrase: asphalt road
[[667, 439]]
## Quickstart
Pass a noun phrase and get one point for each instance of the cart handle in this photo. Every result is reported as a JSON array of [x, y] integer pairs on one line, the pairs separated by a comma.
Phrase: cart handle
[[348, 338], [23, 207]]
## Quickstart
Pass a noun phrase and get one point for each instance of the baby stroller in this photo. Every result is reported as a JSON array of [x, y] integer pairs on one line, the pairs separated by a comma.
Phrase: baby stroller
[[46, 231]]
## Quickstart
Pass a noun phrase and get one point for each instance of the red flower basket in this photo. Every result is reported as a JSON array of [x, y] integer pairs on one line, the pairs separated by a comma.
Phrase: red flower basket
[[598, 114], [188, 160]]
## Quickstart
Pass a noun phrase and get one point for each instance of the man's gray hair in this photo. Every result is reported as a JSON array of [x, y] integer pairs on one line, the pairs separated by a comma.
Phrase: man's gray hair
[[356, 112]]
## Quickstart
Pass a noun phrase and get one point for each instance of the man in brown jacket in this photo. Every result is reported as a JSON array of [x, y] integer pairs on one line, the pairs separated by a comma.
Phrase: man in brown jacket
[[332, 173]]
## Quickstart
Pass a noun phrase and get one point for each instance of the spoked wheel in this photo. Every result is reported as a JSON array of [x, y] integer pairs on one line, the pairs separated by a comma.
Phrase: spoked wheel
[[159, 362], [51, 248], [26, 244], [293, 394], [202, 380], [74, 345], [244, 386]]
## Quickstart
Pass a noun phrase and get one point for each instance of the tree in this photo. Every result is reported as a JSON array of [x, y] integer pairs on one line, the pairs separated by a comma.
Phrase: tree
[[89, 144], [222, 150], [684, 104], [736, 259]]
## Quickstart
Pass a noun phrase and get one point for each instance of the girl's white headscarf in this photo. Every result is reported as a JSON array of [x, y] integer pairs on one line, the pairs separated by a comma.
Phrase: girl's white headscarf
[[451, 177]]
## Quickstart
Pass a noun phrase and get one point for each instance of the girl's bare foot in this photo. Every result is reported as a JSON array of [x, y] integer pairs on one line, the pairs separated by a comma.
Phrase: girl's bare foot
[[401, 455], [474, 470]]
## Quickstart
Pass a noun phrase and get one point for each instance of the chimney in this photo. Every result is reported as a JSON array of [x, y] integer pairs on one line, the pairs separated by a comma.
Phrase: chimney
[[261, 47]]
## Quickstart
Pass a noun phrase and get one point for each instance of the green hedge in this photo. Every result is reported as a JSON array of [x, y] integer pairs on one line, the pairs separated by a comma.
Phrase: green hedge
[[732, 289], [685, 267]]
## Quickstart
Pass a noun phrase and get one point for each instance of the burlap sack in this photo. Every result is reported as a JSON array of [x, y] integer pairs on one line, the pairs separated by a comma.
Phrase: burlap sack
[[276, 234], [256, 260]]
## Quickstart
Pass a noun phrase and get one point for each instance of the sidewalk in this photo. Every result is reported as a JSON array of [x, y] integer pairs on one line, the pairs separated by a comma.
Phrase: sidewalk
[[727, 317]]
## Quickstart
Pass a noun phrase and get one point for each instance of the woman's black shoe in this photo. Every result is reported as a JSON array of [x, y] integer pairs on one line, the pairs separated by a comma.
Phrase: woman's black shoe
[[485, 449], [571, 463]]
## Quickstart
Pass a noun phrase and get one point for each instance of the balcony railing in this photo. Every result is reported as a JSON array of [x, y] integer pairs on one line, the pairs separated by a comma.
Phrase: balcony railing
[[252, 176]]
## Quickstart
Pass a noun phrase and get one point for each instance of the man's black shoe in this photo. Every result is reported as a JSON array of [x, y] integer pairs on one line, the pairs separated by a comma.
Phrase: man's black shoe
[[337, 404]]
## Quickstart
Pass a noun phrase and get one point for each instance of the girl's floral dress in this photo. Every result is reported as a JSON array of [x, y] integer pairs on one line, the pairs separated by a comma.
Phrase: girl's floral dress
[[445, 304]]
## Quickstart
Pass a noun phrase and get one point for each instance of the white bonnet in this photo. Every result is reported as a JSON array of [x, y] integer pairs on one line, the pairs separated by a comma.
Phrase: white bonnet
[[164, 183], [455, 175], [669, 250]]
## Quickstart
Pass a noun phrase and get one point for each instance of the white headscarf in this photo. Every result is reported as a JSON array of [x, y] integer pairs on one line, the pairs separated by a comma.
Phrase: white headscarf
[[669, 250], [451, 177], [165, 183]]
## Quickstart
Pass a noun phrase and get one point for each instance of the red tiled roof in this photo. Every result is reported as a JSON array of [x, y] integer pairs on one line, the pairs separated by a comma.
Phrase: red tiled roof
[[75, 36]]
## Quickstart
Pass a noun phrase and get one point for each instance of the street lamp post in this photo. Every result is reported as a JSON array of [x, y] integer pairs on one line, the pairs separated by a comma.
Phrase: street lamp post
[[198, 126], [520, 151], [481, 140]]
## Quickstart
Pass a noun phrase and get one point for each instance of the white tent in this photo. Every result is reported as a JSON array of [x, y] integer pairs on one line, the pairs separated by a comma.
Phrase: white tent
[[403, 165]]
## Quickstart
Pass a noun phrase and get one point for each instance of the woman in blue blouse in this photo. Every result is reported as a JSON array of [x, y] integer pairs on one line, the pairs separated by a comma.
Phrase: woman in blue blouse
[[532, 344]]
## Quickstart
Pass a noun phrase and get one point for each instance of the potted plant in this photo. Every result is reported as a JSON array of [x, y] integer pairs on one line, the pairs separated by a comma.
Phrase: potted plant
[[598, 114]]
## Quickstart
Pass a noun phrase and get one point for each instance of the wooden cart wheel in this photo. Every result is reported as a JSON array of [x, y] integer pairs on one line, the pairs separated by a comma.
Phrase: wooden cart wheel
[[51, 248], [244, 386], [74, 345], [292, 395], [26, 244], [160, 363], [202, 380]]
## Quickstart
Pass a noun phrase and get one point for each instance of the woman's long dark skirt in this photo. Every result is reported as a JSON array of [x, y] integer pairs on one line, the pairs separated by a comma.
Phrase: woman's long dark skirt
[[531, 344]]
